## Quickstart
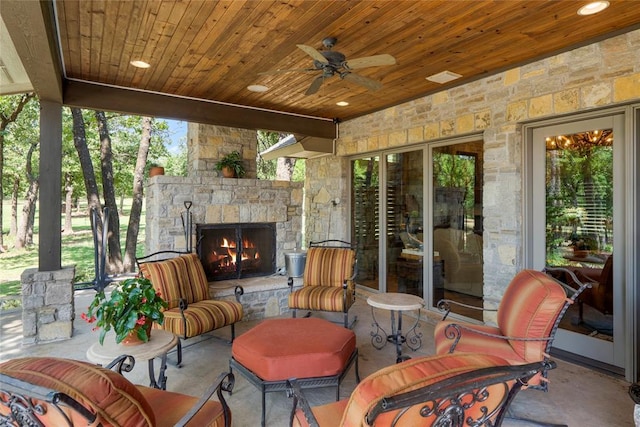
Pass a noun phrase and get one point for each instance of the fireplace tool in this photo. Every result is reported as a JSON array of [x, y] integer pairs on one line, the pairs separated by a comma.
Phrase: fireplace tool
[[187, 220]]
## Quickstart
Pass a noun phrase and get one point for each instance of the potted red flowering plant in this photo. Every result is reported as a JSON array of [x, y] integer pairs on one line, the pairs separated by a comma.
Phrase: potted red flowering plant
[[129, 310]]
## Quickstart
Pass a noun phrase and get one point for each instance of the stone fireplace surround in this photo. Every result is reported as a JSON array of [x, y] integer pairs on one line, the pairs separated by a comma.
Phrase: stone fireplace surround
[[224, 201]]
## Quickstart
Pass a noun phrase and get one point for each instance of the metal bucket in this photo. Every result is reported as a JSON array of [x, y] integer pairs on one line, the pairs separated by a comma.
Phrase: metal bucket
[[294, 263]]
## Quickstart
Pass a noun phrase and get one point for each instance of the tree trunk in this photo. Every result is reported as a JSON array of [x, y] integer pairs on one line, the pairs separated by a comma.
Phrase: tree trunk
[[93, 197], [13, 228], [136, 206], [284, 168], [24, 236], [4, 122], [114, 260], [68, 201]]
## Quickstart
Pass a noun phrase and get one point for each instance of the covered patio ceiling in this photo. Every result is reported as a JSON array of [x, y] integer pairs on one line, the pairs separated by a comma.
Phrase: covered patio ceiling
[[204, 54]]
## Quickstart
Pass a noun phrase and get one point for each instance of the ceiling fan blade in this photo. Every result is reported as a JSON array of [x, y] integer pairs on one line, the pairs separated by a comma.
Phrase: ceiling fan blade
[[370, 61], [290, 70], [362, 81], [312, 52], [315, 85]]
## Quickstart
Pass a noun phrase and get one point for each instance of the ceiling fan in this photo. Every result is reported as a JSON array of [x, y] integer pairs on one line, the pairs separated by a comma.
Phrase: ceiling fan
[[333, 63]]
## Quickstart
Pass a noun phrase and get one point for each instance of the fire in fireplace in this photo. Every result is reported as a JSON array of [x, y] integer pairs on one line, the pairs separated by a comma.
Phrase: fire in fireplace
[[233, 251]]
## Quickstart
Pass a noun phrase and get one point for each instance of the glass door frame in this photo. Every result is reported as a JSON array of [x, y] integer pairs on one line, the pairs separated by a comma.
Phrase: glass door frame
[[626, 201]]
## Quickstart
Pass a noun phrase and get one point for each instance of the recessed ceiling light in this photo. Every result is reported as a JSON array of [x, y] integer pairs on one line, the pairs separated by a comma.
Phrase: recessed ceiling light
[[342, 103], [140, 64], [444, 77], [257, 88], [593, 7]]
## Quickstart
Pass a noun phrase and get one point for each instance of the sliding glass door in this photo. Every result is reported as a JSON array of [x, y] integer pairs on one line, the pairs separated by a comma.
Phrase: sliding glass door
[[577, 212]]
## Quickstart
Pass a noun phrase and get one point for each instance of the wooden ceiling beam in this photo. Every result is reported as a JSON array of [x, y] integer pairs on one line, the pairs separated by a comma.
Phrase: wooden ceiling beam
[[30, 25], [101, 97]]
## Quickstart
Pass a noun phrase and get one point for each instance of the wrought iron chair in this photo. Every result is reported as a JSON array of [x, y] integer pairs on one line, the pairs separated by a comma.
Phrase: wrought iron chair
[[454, 390], [328, 279], [55, 392], [527, 320], [182, 282]]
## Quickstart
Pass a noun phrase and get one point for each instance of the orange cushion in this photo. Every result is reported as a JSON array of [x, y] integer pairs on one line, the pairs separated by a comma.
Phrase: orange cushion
[[323, 298], [306, 348], [197, 288], [169, 407], [328, 266], [529, 308], [411, 375], [116, 401], [165, 279], [476, 343]]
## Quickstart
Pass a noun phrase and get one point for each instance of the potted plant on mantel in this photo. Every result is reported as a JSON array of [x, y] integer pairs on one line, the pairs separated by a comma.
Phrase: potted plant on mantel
[[231, 165], [130, 310], [155, 169]]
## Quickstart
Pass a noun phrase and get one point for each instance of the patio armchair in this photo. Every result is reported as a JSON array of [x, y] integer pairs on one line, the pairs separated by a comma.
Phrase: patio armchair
[[451, 389], [328, 280], [56, 392], [182, 282], [527, 320], [600, 296]]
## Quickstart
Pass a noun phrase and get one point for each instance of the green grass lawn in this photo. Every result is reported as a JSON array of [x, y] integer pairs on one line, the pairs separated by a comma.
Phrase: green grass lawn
[[77, 249]]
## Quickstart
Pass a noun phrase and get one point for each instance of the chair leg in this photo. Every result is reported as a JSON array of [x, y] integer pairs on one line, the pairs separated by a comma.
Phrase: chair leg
[[233, 332], [293, 313], [179, 353]]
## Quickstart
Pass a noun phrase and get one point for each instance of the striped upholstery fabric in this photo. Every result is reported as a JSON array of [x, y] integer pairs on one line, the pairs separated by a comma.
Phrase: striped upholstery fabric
[[400, 378], [164, 278], [324, 298], [195, 287], [108, 394], [184, 277], [325, 272], [529, 308], [328, 266]]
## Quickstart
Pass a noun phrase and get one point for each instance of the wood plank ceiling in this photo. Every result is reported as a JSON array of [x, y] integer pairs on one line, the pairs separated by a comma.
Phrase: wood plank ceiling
[[213, 50]]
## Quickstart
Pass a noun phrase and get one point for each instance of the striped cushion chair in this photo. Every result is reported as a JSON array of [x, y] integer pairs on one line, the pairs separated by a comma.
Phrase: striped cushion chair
[[191, 312], [527, 319], [328, 279], [441, 390], [51, 391]]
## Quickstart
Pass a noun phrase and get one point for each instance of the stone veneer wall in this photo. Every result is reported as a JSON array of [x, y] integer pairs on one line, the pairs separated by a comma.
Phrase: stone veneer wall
[[221, 201], [47, 305], [594, 76]]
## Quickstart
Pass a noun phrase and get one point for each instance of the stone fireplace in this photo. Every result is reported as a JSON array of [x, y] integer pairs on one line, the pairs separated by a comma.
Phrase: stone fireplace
[[227, 202]]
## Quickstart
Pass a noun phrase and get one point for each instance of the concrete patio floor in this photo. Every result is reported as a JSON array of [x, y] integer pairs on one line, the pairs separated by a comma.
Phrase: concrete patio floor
[[577, 396]]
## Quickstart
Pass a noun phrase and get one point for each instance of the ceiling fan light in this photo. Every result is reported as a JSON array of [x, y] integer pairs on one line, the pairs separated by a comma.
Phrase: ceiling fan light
[[257, 88], [140, 64], [593, 8], [342, 103], [444, 77]]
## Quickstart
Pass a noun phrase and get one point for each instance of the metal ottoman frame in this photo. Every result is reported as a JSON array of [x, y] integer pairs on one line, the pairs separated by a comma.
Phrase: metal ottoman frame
[[314, 382]]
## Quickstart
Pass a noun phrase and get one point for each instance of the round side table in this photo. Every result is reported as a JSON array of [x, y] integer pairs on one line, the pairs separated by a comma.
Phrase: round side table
[[158, 345], [396, 303]]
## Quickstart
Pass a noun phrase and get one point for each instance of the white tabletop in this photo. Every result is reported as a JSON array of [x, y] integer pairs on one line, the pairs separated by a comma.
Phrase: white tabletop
[[395, 301], [160, 343]]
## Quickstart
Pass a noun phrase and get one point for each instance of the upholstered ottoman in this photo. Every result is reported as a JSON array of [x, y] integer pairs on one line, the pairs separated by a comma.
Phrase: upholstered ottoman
[[315, 351]]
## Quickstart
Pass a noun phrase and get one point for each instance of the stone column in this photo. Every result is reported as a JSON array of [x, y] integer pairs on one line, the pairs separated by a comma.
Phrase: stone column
[[206, 144], [47, 305]]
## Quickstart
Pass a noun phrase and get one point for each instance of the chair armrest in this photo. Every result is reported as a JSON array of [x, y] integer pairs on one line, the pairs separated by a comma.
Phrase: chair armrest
[[224, 382], [290, 284], [445, 305], [295, 391], [453, 331], [183, 304]]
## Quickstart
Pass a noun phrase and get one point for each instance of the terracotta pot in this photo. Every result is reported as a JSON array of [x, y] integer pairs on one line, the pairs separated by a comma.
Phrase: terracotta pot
[[156, 170], [227, 172], [133, 338]]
